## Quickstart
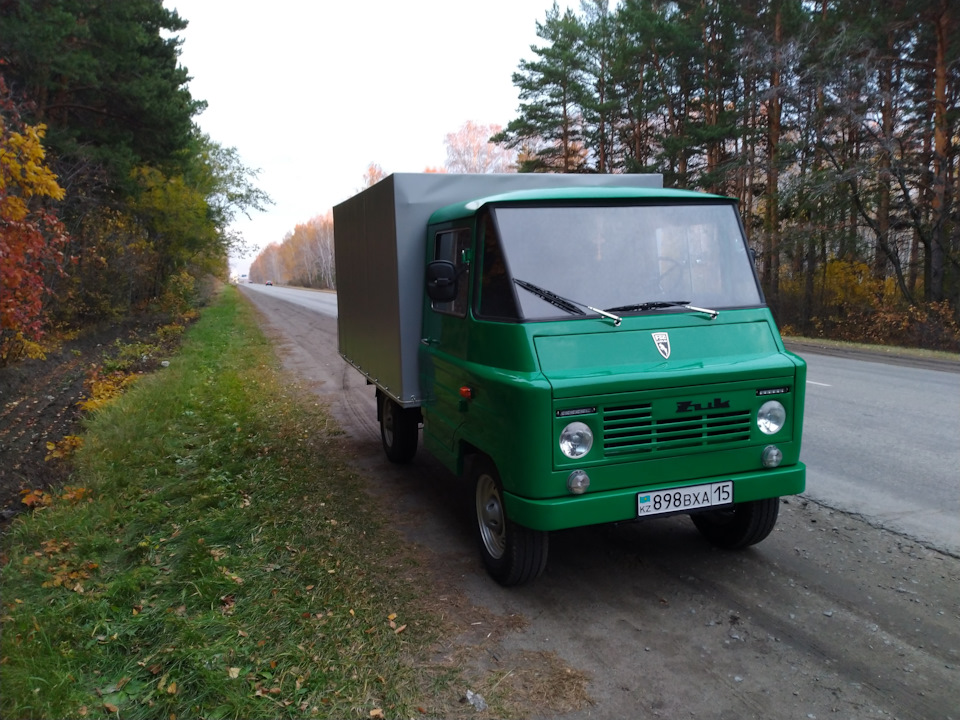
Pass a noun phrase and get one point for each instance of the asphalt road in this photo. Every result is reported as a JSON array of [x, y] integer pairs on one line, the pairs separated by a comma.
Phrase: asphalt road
[[883, 441], [833, 615], [318, 301]]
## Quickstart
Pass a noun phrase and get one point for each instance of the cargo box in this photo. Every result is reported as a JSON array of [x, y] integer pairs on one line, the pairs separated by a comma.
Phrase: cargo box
[[380, 240]]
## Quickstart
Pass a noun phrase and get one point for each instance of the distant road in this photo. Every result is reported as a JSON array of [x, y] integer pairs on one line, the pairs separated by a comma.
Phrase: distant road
[[880, 440], [320, 301]]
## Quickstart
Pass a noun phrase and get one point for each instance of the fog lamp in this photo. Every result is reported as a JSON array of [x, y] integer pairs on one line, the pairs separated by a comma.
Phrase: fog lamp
[[772, 457], [578, 482]]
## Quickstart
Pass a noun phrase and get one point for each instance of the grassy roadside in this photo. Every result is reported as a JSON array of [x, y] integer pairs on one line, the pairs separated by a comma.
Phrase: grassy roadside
[[880, 350], [213, 557]]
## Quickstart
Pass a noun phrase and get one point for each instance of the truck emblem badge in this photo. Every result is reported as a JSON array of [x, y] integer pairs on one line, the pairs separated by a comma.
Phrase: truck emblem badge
[[662, 341]]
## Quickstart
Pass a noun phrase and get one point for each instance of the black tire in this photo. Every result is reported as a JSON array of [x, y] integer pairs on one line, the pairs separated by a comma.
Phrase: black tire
[[398, 429], [740, 526], [512, 554]]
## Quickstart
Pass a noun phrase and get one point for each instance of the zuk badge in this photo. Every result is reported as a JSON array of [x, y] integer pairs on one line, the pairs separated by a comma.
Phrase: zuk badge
[[662, 341]]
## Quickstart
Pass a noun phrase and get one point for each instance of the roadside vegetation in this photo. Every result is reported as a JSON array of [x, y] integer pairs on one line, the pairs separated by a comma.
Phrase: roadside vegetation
[[111, 199], [213, 556]]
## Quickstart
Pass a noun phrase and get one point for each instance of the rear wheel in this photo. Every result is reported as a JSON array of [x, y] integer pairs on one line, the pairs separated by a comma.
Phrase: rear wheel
[[740, 526], [398, 429], [512, 554]]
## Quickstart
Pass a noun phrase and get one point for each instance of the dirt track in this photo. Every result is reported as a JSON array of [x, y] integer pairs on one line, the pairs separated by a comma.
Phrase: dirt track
[[828, 617]]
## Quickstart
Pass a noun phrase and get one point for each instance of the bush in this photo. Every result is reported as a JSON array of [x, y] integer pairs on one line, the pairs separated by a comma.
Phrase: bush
[[850, 304]]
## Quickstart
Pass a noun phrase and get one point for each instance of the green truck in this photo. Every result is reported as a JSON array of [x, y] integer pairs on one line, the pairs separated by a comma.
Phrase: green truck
[[583, 349]]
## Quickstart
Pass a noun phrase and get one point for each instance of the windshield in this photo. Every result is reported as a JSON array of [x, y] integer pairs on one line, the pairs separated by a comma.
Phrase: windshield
[[634, 258]]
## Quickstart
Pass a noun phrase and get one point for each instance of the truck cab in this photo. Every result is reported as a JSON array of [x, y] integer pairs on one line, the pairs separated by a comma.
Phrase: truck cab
[[592, 354]]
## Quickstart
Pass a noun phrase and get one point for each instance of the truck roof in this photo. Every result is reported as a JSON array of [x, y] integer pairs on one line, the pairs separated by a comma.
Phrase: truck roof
[[465, 209]]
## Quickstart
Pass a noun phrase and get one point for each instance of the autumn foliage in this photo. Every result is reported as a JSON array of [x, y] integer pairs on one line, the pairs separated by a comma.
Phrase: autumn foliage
[[304, 258], [31, 235]]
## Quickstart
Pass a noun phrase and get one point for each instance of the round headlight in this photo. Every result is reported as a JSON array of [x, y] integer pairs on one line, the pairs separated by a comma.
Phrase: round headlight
[[771, 417], [576, 439]]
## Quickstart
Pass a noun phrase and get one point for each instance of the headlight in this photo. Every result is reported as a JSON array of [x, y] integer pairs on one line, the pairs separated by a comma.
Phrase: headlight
[[576, 439], [771, 417]]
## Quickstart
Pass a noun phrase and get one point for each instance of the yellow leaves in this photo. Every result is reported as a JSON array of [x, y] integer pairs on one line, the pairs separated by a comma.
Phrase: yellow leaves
[[22, 168], [233, 673], [64, 448], [105, 388]]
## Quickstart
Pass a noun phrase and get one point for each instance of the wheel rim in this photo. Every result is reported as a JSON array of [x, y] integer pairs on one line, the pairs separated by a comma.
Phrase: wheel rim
[[388, 422], [490, 517]]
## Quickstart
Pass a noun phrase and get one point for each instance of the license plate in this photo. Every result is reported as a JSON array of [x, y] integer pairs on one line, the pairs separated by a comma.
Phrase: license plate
[[684, 498]]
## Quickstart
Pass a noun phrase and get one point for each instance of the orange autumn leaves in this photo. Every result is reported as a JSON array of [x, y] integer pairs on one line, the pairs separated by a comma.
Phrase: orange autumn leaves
[[31, 236]]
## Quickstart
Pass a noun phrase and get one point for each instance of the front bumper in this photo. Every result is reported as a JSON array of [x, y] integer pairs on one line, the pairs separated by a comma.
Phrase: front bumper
[[621, 504]]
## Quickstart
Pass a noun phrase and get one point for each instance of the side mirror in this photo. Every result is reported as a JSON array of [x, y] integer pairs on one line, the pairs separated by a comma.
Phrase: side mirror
[[441, 281]]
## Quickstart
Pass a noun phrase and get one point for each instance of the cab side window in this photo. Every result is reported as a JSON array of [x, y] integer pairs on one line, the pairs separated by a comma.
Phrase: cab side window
[[454, 246]]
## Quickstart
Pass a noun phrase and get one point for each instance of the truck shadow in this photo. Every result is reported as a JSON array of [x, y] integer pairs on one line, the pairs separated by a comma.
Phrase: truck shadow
[[434, 509]]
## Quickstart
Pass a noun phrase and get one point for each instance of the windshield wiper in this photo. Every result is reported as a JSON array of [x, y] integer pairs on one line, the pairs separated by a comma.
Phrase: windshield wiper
[[571, 306], [660, 304]]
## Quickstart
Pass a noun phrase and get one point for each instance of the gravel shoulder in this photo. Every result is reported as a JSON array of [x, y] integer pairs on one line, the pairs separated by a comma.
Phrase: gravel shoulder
[[829, 617]]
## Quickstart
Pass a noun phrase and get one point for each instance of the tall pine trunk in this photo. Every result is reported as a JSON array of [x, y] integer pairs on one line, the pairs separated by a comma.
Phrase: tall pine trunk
[[940, 160], [771, 254]]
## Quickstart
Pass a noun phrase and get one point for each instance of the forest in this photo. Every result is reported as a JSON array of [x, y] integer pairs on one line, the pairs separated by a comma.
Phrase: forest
[[112, 201], [835, 123]]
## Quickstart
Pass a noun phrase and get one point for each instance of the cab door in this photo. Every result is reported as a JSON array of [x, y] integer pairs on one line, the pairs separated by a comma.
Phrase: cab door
[[444, 343]]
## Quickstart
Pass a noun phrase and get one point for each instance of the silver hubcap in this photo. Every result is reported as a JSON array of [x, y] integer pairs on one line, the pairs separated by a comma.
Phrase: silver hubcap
[[490, 517]]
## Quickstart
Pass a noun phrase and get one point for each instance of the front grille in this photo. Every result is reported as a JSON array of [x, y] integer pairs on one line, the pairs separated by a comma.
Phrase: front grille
[[633, 429]]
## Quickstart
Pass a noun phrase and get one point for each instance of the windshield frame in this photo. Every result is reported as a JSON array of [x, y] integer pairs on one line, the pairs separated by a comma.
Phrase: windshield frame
[[518, 263]]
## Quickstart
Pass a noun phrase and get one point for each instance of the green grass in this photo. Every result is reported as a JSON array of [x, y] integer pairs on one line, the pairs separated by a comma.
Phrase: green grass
[[220, 560]]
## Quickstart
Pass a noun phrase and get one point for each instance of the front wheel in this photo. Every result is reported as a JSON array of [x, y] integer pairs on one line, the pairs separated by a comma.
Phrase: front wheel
[[740, 526], [512, 554], [398, 429]]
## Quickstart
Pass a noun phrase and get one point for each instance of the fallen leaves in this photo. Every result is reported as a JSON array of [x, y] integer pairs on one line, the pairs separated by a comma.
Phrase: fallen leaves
[[236, 578], [104, 389], [36, 498], [391, 621], [64, 448]]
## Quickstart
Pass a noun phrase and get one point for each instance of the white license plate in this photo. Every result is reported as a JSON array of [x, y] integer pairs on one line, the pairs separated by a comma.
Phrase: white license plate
[[684, 498]]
